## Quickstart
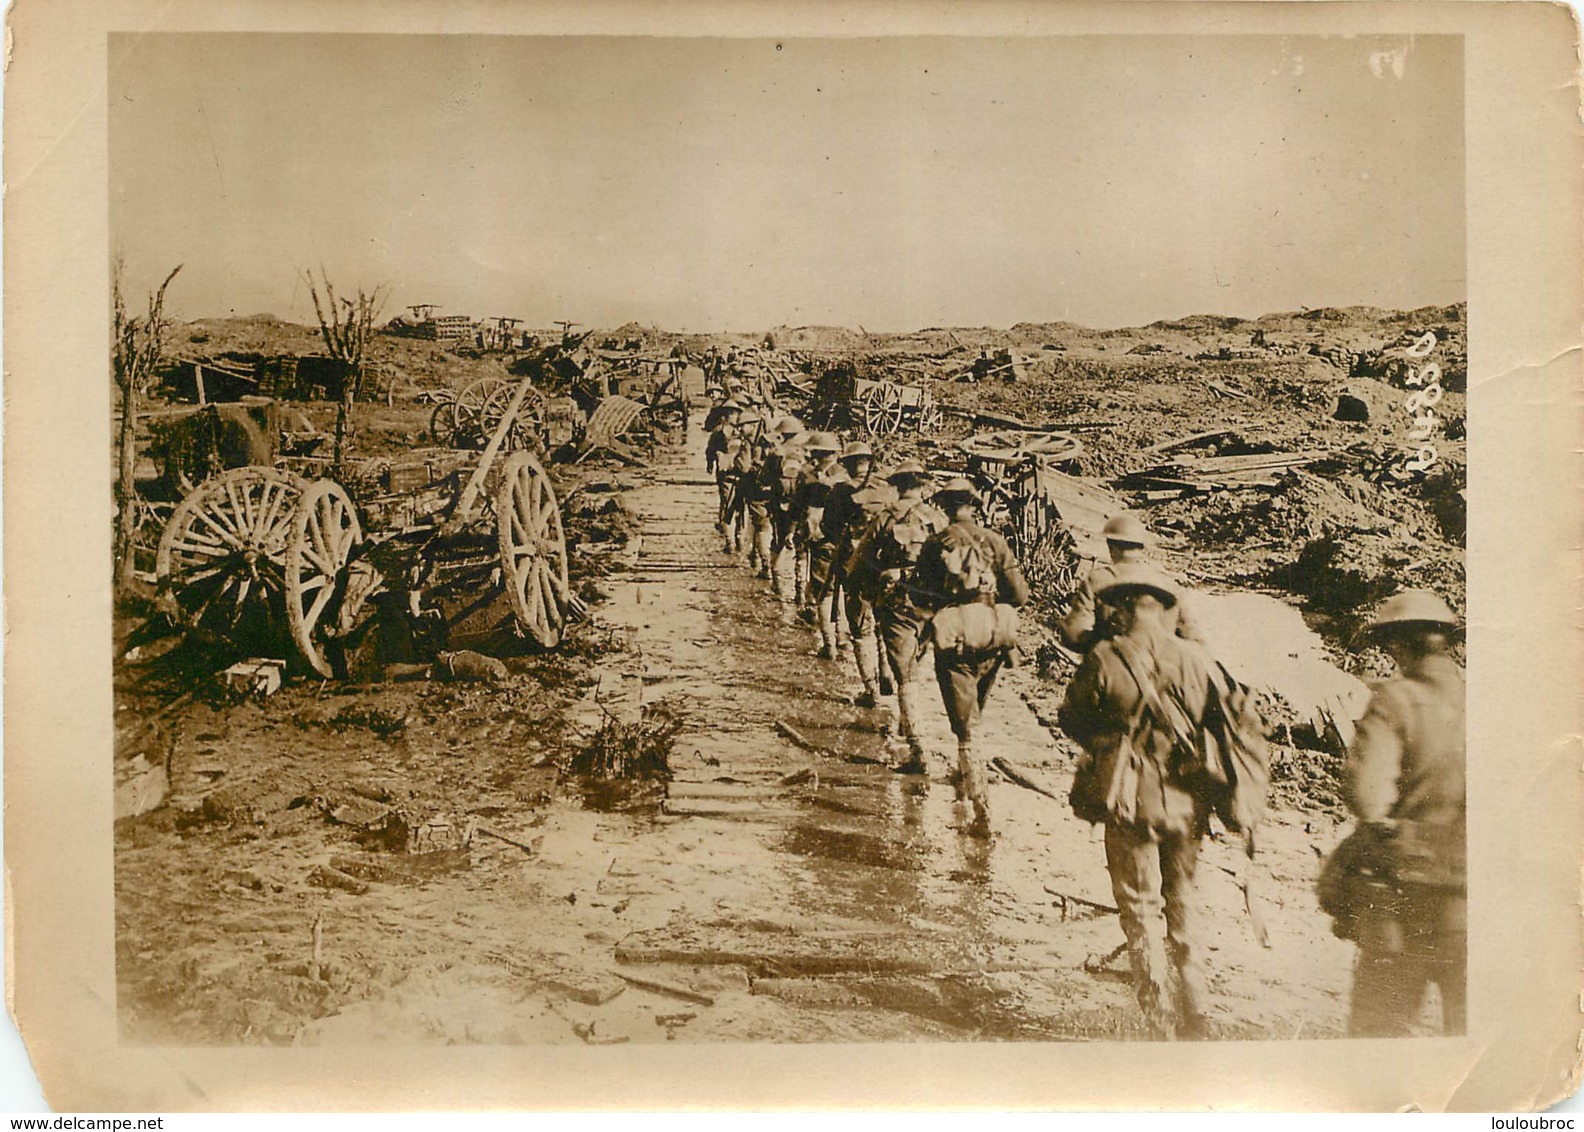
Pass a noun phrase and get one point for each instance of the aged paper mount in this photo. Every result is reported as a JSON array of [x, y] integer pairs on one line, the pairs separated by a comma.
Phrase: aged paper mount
[[1525, 296]]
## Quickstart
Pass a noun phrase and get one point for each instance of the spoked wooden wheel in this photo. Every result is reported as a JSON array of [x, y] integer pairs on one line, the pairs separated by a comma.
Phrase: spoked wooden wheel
[[1011, 447], [526, 428], [469, 407], [883, 409], [533, 549], [325, 533], [220, 561], [930, 417], [443, 425]]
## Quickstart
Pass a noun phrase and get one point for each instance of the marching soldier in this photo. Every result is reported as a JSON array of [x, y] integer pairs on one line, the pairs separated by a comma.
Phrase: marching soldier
[[963, 567], [1404, 781], [881, 567], [1087, 621], [1155, 817], [852, 505], [753, 491], [720, 455], [779, 473], [814, 484]]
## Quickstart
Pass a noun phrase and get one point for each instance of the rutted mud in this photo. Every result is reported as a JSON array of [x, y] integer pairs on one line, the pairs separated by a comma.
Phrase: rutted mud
[[775, 890]]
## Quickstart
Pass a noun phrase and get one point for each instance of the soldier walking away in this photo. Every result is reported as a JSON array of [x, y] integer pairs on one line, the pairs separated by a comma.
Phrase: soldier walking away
[[1087, 621], [1404, 781], [779, 475], [719, 458], [881, 567], [1134, 698], [850, 509], [753, 491], [815, 481], [967, 575]]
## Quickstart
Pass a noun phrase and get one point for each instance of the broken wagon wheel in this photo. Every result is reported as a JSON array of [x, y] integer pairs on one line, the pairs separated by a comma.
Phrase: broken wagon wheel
[[325, 533], [149, 520], [443, 425], [527, 428], [220, 561], [883, 411], [469, 408], [930, 417], [533, 549], [1049, 447]]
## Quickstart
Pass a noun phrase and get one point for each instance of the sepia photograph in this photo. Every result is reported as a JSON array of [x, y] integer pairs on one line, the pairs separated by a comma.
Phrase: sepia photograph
[[591, 559], [644, 540]]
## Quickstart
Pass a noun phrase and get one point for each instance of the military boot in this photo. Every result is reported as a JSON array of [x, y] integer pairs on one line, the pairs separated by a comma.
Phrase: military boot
[[827, 631], [907, 724], [975, 788], [865, 654]]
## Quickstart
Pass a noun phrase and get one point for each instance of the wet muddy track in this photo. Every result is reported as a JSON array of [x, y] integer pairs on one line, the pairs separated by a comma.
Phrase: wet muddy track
[[778, 890]]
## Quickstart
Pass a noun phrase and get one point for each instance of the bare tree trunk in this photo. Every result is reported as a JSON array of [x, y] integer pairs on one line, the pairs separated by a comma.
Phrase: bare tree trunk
[[137, 349], [126, 488]]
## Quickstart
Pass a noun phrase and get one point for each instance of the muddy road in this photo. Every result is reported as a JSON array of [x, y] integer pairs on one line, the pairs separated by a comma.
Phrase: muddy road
[[784, 886]]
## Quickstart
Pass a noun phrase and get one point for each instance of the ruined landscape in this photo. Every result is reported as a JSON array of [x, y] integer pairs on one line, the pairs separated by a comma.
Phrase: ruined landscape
[[408, 842]]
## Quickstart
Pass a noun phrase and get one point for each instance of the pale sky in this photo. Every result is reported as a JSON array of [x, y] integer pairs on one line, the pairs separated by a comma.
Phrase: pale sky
[[715, 184]]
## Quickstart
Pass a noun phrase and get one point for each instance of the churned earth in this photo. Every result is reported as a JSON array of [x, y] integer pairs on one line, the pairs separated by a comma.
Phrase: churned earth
[[784, 886]]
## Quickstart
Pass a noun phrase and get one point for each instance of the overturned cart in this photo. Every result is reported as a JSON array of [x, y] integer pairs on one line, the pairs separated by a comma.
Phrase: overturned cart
[[455, 549]]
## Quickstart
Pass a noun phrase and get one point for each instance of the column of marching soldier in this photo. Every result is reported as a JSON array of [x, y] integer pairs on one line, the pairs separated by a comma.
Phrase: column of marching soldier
[[899, 564]]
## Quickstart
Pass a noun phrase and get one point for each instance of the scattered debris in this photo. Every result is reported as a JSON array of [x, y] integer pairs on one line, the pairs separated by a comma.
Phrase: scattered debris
[[256, 676], [1063, 899], [525, 846], [468, 665], [328, 876], [655, 986], [1216, 473], [1016, 775], [622, 750]]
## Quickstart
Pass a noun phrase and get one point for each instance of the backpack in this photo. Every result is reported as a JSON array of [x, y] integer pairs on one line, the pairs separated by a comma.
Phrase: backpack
[[892, 540], [970, 573], [1227, 757], [1236, 752]]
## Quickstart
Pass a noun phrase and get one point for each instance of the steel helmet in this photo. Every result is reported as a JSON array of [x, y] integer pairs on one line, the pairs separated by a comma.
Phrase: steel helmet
[[1413, 607], [751, 416], [856, 448], [788, 426], [1127, 577], [906, 469], [823, 442], [732, 405], [959, 488], [1127, 527]]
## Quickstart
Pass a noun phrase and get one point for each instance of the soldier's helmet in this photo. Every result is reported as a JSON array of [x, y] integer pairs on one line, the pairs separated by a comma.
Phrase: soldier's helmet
[[750, 416], [1137, 577], [823, 442], [908, 470], [856, 449], [1126, 527], [1413, 607], [732, 405], [788, 426], [959, 488]]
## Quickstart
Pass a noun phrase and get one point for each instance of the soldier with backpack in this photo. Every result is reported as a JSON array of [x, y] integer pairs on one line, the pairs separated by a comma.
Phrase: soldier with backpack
[[969, 578], [814, 483], [1088, 620], [850, 509], [1142, 705], [778, 480], [1398, 884], [719, 457], [880, 568], [753, 495]]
